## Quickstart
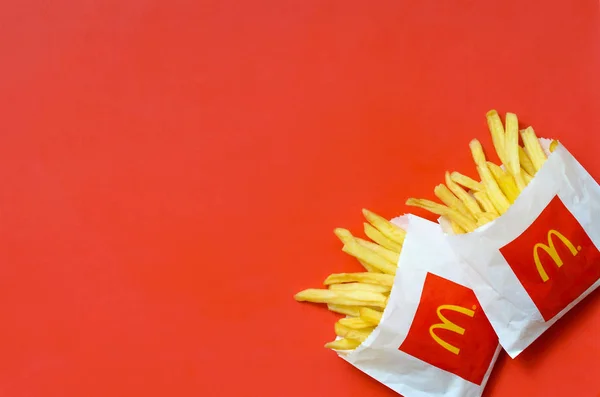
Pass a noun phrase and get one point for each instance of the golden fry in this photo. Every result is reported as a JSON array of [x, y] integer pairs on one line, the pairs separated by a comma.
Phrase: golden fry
[[370, 315], [447, 197], [343, 344], [355, 323], [465, 197], [485, 203], [369, 278], [467, 182], [360, 287], [496, 196], [345, 236], [477, 152], [497, 131], [525, 162], [385, 253], [511, 145], [386, 227], [342, 309], [462, 221], [349, 298], [553, 145], [509, 187], [380, 238], [368, 256], [533, 148], [345, 332]]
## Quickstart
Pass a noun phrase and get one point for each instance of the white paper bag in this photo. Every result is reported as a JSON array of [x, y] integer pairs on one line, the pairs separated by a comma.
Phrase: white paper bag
[[433, 339], [534, 263]]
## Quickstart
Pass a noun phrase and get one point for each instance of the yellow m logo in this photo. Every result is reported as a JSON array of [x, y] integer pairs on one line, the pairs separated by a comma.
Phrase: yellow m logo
[[449, 326], [551, 250]]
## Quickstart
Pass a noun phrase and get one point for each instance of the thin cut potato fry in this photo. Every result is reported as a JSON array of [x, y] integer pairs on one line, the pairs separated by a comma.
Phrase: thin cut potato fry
[[485, 203], [509, 187], [343, 344], [526, 177], [477, 152], [553, 145], [485, 217], [380, 238], [347, 310], [370, 315], [511, 145], [497, 131], [385, 253], [355, 323], [456, 229], [345, 236], [369, 278], [386, 227], [368, 256], [465, 181], [349, 298], [464, 222], [345, 332], [496, 196], [533, 148], [360, 287], [525, 162], [447, 197], [465, 197]]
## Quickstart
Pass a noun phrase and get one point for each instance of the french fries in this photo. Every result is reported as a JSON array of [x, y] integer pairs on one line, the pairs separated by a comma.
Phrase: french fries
[[361, 296], [499, 187]]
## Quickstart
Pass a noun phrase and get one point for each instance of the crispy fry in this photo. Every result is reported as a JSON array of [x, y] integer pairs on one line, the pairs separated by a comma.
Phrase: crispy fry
[[485, 203], [345, 332], [511, 145], [385, 253], [477, 152], [457, 229], [526, 177], [343, 344], [349, 298], [485, 217], [368, 256], [496, 196], [525, 162], [447, 197], [553, 145], [355, 323], [360, 287], [342, 309], [462, 221], [505, 182], [467, 182], [369, 278], [509, 187], [381, 239], [345, 236], [370, 315], [533, 148], [386, 227], [465, 197], [497, 131]]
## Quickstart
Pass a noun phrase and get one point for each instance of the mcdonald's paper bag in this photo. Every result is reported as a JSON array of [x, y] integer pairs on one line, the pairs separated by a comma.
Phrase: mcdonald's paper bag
[[534, 263], [433, 339]]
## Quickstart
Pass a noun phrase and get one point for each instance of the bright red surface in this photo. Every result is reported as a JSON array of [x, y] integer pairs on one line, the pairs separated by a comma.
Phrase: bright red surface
[[171, 172]]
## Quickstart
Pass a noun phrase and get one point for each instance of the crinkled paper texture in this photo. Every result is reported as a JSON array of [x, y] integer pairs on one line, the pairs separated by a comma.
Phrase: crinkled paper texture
[[425, 250], [508, 305]]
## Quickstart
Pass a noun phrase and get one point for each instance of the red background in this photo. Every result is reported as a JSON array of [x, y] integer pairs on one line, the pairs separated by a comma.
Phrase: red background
[[171, 172]]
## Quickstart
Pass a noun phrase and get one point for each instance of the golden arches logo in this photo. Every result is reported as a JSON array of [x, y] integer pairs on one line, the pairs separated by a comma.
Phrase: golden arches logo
[[551, 250], [449, 326]]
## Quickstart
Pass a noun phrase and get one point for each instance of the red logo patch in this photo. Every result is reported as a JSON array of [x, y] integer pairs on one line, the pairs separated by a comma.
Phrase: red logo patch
[[450, 331], [554, 259]]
